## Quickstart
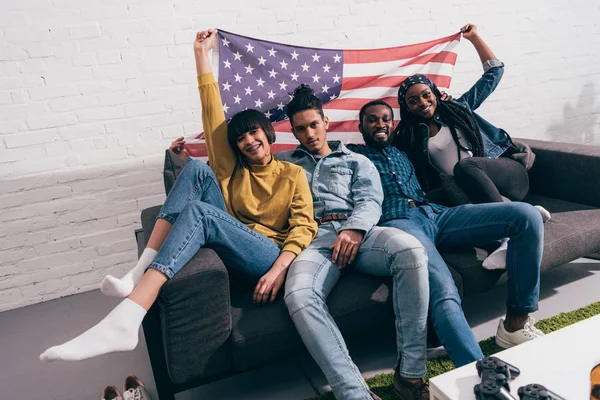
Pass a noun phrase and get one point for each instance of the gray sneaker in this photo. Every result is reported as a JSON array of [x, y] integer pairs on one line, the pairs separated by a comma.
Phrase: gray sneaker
[[134, 389]]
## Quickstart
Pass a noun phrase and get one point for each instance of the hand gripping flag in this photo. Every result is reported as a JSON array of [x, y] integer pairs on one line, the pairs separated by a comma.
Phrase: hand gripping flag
[[260, 74]]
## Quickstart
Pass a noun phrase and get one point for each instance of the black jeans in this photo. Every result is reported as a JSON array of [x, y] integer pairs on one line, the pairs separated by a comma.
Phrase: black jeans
[[486, 180]]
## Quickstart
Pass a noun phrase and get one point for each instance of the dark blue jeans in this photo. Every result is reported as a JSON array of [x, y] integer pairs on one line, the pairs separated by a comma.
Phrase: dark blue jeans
[[465, 227]]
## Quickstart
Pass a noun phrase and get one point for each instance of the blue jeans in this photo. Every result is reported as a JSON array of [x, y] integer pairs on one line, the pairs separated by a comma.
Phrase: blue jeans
[[196, 209], [465, 227], [312, 276]]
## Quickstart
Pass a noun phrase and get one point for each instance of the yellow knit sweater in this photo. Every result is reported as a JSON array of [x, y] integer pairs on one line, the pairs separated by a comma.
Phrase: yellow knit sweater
[[274, 200]]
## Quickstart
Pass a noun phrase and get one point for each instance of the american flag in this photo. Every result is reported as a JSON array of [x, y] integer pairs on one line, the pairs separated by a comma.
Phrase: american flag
[[260, 74]]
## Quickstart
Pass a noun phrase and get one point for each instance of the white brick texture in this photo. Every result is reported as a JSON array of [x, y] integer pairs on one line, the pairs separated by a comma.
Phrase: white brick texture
[[92, 93]]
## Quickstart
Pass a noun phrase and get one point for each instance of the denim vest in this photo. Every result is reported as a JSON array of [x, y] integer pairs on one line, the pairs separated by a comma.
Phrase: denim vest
[[341, 182], [495, 140]]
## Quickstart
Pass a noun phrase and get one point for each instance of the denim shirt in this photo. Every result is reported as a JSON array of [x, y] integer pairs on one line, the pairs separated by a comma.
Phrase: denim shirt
[[495, 140], [341, 182]]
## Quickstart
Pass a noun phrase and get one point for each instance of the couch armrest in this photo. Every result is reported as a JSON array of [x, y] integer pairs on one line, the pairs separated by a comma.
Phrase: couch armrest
[[193, 315], [566, 171]]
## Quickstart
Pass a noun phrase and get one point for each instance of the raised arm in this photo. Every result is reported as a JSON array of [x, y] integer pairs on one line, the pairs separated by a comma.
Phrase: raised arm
[[220, 156], [493, 69], [470, 33]]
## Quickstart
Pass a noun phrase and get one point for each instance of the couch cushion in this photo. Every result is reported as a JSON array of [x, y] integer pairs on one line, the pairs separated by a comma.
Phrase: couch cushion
[[573, 232], [263, 334]]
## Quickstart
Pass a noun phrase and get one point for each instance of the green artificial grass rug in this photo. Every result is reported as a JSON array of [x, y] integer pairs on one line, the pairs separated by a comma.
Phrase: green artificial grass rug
[[382, 384]]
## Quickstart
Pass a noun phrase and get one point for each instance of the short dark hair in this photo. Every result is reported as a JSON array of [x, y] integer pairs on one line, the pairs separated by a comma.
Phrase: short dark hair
[[245, 121], [304, 99], [361, 114]]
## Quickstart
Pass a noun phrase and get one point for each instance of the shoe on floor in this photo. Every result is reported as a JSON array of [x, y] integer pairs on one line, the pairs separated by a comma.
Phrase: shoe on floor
[[410, 391], [111, 393], [506, 339], [134, 389]]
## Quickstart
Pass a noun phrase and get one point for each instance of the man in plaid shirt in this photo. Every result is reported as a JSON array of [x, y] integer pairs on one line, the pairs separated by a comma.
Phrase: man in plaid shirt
[[437, 227]]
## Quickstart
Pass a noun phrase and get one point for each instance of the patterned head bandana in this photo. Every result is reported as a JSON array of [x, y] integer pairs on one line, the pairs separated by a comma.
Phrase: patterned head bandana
[[413, 80]]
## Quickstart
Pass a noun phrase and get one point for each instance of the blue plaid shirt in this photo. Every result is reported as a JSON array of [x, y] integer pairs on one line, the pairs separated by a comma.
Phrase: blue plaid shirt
[[398, 179]]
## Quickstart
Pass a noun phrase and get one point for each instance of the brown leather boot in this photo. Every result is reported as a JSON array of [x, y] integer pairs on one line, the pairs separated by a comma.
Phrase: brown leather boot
[[410, 391]]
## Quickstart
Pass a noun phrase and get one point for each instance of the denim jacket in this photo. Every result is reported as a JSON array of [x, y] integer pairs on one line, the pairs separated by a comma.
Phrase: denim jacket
[[341, 182], [495, 140]]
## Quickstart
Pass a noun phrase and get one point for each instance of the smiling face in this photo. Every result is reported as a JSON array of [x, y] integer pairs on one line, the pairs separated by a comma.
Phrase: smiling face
[[254, 146], [310, 128], [377, 126], [421, 101]]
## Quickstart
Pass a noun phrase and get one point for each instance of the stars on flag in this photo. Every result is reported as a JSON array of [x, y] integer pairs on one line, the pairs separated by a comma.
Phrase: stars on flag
[[269, 90]]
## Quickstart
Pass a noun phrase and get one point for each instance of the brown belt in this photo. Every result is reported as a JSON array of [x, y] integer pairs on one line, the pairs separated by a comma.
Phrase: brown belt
[[332, 217]]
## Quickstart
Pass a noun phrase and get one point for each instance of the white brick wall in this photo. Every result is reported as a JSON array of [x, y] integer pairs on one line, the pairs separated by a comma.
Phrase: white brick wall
[[91, 93]]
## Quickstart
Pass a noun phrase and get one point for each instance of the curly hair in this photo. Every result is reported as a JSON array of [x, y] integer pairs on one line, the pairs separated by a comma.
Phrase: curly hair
[[304, 99]]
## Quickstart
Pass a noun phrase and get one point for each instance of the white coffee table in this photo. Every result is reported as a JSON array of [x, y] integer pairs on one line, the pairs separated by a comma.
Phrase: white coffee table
[[561, 361]]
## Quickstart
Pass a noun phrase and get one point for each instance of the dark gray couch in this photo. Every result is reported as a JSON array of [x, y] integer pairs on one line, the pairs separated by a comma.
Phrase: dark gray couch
[[204, 326]]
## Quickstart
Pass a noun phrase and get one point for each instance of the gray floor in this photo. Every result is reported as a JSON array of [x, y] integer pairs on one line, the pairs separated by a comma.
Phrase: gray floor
[[26, 332]]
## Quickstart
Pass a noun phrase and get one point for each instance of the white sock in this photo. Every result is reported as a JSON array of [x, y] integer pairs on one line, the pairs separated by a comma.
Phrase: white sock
[[123, 287], [544, 213], [118, 331], [497, 260]]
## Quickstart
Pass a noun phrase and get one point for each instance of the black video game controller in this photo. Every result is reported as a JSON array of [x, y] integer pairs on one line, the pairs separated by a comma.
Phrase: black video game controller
[[536, 391], [495, 375]]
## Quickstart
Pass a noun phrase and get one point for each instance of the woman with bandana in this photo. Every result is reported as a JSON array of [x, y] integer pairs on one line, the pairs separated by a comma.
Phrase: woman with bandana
[[450, 144]]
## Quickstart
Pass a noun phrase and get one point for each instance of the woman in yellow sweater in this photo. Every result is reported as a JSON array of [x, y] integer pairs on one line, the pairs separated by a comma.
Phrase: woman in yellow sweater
[[255, 211]]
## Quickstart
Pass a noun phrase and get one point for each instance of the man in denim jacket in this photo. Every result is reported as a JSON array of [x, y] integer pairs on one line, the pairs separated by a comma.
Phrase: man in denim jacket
[[347, 197]]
